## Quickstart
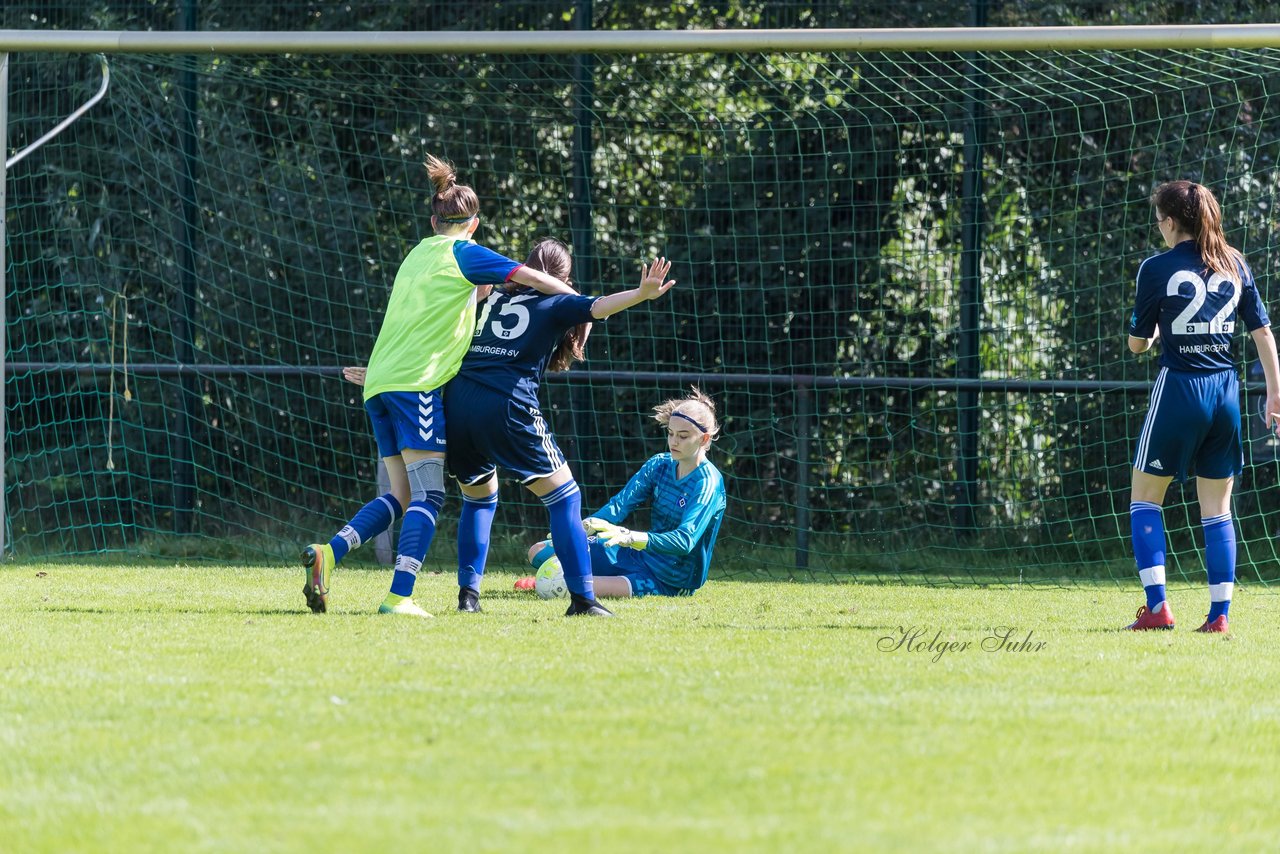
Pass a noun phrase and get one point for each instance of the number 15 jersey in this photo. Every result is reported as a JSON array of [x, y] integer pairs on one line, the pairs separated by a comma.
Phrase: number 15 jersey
[[1195, 309], [515, 338]]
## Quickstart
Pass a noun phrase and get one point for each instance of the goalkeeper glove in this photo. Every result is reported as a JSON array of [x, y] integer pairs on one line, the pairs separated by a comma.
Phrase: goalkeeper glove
[[626, 537], [592, 525]]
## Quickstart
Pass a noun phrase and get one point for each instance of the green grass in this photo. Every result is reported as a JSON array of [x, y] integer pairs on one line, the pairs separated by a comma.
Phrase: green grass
[[199, 709]]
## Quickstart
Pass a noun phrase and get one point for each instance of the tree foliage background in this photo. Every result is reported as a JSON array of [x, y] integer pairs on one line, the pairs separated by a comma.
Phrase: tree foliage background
[[812, 203]]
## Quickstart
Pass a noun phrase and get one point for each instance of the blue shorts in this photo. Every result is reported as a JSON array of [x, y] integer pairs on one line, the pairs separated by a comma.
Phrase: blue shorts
[[1192, 427], [488, 430], [407, 419], [629, 564]]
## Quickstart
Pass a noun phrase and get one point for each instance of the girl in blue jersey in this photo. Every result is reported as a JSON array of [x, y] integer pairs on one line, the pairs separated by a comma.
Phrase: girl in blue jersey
[[1189, 298], [495, 419], [424, 334], [686, 499]]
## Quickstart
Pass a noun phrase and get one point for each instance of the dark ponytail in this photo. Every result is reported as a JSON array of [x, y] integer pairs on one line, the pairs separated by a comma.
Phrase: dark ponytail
[[552, 257]]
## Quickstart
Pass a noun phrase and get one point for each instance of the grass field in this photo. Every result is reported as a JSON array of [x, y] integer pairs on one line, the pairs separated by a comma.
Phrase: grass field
[[202, 709]]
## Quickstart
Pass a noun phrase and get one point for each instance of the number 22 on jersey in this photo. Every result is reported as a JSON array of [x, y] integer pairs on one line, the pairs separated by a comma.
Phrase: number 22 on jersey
[[1186, 322]]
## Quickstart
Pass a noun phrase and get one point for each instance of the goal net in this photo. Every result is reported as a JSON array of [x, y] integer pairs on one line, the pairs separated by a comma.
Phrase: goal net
[[190, 264]]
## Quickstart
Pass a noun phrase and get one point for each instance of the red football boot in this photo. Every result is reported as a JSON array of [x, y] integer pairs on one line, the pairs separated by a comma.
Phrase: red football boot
[[1149, 620], [524, 583], [1217, 627]]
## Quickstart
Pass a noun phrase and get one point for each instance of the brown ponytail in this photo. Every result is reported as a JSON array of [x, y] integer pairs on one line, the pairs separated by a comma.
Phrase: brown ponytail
[[552, 257], [1195, 211], [453, 204]]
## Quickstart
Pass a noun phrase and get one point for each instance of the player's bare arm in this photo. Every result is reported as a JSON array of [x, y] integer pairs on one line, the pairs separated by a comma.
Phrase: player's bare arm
[[1265, 341], [653, 284], [540, 281]]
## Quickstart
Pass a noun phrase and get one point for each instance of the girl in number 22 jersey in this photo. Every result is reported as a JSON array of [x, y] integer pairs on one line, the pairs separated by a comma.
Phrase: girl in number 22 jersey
[[1189, 299]]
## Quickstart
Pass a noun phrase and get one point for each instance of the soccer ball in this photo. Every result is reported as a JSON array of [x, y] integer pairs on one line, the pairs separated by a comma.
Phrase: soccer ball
[[549, 582]]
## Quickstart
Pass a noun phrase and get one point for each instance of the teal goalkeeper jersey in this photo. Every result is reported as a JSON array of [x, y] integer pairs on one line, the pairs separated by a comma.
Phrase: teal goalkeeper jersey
[[431, 315], [685, 515]]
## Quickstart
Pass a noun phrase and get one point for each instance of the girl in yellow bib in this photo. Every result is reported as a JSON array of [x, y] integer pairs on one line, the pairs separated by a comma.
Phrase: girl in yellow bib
[[425, 332]]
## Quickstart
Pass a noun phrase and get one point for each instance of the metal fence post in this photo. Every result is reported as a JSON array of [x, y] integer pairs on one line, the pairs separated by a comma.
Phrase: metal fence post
[[804, 428], [4, 181], [583, 445], [184, 474], [968, 363]]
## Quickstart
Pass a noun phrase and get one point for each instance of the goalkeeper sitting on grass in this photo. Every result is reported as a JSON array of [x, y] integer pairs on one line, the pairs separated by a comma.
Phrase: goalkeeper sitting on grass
[[686, 497]]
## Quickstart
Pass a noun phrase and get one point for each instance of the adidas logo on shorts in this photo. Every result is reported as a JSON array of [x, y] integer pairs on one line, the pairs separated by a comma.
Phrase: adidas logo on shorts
[[1155, 464]]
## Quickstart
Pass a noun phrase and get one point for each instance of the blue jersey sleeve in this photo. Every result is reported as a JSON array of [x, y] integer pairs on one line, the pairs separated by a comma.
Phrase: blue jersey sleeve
[[699, 514], [1146, 308], [636, 493], [483, 266], [570, 309], [1251, 309]]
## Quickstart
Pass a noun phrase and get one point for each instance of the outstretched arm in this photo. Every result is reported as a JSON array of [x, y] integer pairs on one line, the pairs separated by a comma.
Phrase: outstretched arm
[[1266, 344], [651, 286], [540, 281]]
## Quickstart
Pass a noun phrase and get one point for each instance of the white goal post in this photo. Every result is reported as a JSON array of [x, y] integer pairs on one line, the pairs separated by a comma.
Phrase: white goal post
[[1216, 36]]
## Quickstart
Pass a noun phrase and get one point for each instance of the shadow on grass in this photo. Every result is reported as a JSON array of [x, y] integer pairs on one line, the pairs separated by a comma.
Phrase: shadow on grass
[[187, 609], [801, 627]]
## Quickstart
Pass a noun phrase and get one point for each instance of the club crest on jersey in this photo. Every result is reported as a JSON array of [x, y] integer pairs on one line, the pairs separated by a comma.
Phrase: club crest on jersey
[[680, 503]]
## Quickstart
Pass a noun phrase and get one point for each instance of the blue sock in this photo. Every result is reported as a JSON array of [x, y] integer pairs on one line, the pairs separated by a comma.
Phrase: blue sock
[[474, 524], [416, 531], [1147, 523], [1220, 560], [565, 506], [373, 518]]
